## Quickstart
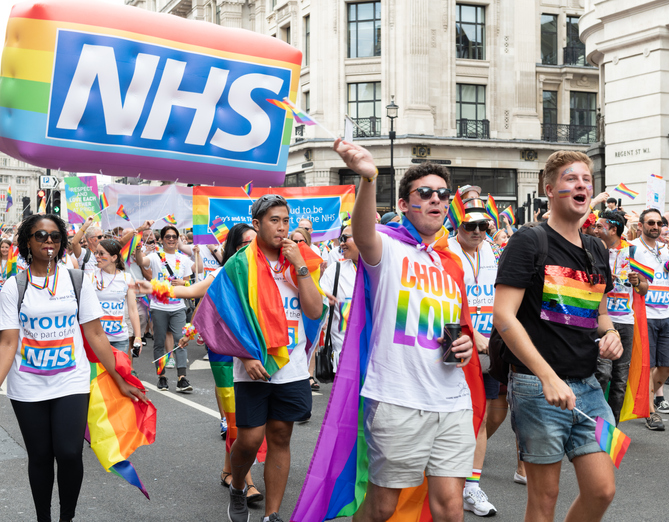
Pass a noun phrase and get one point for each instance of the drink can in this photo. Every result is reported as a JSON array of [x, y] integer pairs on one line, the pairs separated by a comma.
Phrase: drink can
[[451, 333]]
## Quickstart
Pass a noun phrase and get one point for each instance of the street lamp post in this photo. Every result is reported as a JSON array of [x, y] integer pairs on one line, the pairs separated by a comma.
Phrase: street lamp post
[[391, 112]]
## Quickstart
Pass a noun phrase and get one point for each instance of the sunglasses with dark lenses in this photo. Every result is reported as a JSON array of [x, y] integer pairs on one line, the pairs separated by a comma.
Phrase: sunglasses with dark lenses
[[99, 238], [300, 241], [344, 238], [425, 193], [170, 237], [42, 235], [652, 223], [481, 225], [150, 242]]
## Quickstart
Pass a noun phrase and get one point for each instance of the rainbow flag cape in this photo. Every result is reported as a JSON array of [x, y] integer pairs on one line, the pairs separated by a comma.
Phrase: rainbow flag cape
[[491, 208], [336, 482], [642, 269], [221, 368], [10, 201], [344, 311], [456, 211], [130, 247], [248, 188], [219, 229], [242, 314], [121, 213], [636, 402], [117, 426], [611, 440], [626, 191], [509, 215], [103, 202], [162, 362], [169, 218]]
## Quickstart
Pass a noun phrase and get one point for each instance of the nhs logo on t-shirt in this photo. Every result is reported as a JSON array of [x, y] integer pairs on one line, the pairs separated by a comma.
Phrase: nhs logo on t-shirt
[[112, 324], [47, 357]]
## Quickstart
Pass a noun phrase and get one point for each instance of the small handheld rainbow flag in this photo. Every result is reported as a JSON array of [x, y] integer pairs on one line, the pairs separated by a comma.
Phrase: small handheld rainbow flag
[[300, 117], [611, 440], [219, 230], [491, 208], [130, 247], [103, 202], [12, 261], [10, 201], [169, 218], [248, 188], [509, 215], [162, 362], [42, 206], [624, 190], [642, 269], [344, 309], [121, 212], [456, 211]]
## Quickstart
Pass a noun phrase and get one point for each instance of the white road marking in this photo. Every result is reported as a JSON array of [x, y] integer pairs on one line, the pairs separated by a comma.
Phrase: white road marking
[[200, 365], [182, 400]]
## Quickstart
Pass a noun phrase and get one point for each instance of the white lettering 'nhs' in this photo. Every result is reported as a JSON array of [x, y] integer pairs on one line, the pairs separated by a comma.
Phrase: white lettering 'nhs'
[[121, 119]]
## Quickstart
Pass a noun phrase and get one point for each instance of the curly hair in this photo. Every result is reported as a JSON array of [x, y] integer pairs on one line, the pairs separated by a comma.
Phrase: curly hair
[[420, 171], [25, 232], [113, 248]]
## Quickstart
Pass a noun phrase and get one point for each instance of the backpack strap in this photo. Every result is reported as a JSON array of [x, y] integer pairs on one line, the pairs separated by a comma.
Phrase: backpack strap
[[77, 279], [21, 286], [87, 256], [542, 237]]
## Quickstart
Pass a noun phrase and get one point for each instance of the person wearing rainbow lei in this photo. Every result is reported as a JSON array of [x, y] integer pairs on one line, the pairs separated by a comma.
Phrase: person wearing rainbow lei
[[400, 430]]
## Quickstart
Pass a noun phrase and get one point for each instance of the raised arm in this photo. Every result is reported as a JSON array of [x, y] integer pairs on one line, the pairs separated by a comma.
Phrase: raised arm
[[76, 247]]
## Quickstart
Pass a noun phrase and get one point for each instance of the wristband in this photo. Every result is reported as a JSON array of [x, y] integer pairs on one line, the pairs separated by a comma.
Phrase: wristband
[[186, 283], [612, 330], [666, 266], [373, 177]]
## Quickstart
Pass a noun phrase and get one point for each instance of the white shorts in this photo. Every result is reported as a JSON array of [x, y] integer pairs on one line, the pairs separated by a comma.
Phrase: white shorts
[[403, 444]]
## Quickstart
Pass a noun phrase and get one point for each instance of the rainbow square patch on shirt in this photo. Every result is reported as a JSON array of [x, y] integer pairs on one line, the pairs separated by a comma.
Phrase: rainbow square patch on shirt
[[47, 357], [569, 298]]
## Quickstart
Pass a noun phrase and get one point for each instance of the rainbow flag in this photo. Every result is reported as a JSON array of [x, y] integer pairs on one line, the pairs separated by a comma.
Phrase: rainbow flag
[[636, 402], [344, 311], [642, 269], [10, 201], [121, 212], [626, 191], [169, 218], [42, 206], [103, 202], [11, 267], [162, 362], [220, 230], [569, 298], [456, 211], [130, 247], [491, 208], [336, 482], [300, 117], [611, 440], [221, 368], [248, 188], [242, 314], [509, 215]]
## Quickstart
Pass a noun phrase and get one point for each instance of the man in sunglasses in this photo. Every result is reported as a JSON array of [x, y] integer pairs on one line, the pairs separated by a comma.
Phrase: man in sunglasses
[[619, 303], [650, 252], [551, 311], [480, 268], [418, 412], [93, 235]]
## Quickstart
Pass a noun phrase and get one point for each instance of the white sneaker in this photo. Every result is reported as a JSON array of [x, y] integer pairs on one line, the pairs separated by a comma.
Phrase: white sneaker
[[476, 500], [662, 407], [171, 363], [519, 479]]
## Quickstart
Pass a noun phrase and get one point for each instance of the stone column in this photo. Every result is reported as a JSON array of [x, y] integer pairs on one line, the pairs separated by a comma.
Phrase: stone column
[[231, 14], [319, 178]]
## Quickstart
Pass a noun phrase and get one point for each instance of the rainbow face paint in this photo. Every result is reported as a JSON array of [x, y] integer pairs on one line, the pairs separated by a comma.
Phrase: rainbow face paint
[[568, 170], [564, 193]]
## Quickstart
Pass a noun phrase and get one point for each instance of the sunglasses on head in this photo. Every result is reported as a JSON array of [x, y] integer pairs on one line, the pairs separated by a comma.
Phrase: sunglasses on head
[[42, 235], [425, 193], [481, 225], [344, 238]]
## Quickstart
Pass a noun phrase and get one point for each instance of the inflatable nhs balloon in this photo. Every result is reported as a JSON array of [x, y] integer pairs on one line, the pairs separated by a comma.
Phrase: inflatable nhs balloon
[[89, 86]]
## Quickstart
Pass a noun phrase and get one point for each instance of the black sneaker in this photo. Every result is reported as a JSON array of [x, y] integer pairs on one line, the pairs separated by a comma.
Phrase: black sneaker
[[274, 517], [184, 386], [654, 422], [238, 510], [162, 383]]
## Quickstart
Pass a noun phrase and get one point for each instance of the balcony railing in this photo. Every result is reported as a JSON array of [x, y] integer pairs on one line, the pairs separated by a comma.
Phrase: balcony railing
[[477, 129], [367, 127], [299, 133], [574, 55], [562, 133]]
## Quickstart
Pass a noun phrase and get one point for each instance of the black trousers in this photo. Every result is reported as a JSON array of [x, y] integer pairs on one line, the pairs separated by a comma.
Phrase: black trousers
[[54, 429]]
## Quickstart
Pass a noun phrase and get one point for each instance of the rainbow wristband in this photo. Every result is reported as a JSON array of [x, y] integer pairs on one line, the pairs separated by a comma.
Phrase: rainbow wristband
[[666, 266]]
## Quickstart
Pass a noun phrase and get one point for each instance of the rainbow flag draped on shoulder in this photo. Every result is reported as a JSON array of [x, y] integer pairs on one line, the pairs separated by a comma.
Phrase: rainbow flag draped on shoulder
[[242, 314], [336, 482]]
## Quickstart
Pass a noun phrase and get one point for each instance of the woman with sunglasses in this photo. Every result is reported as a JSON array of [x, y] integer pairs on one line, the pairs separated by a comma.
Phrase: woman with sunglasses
[[300, 235], [48, 374]]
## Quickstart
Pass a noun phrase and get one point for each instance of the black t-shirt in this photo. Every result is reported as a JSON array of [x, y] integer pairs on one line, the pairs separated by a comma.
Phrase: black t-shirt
[[560, 306]]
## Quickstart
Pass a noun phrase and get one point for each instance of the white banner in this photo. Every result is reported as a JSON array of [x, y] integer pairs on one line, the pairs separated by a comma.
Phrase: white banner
[[148, 202], [655, 192]]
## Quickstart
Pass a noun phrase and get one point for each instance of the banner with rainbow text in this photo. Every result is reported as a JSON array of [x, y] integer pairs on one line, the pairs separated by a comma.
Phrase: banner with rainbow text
[[81, 195]]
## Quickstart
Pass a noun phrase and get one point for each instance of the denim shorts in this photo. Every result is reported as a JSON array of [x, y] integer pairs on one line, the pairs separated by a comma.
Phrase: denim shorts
[[546, 433]]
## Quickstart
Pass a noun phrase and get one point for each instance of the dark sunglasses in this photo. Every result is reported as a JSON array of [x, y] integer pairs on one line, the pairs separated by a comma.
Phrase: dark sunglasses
[[96, 237], [652, 223], [170, 237], [300, 241], [425, 193], [42, 235], [344, 238], [150, 242], [481, 225]]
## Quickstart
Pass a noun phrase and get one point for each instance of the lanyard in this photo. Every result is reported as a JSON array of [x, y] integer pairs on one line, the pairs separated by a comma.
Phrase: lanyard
[[54, 282]]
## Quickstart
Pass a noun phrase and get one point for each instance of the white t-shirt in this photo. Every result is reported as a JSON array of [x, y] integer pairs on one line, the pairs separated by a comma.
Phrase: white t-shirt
[[45, 366], [619, 300], [657, 298], [481, 289], [209, 262], [112, 290], [410, 293], [333, 256], [344, 293], [91, 264], [297, 368], [161, 273]]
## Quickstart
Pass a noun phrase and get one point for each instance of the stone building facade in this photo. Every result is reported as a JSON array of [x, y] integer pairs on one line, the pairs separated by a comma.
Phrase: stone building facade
[[24, 182]]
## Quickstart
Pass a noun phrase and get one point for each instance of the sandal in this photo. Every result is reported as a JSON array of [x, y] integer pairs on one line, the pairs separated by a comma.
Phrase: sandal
[[314, 385], [255, 497], [225, 475]]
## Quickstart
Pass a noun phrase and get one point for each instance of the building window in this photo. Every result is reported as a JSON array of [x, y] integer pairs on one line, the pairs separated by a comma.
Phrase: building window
[[583, 117], [307, 101], [550, 107], [348, 177], [307, 40], [501, 183], [364, 107], [470, 111], [364, 29], [298, 179], [549, 39], [285, 31], [574, 53], [272, 4], [470, 32]]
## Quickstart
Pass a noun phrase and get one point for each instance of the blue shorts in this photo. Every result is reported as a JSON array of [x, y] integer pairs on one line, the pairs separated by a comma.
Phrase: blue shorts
[[546, 433], [658, 342], [258, 402], [491, 387]]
